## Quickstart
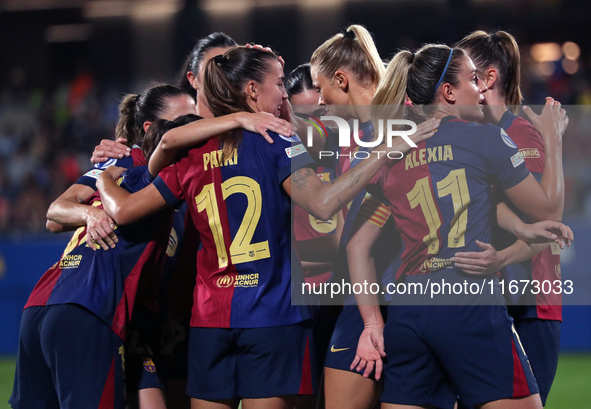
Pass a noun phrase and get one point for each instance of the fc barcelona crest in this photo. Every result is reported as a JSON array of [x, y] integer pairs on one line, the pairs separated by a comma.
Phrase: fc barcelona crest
[[149, 365]]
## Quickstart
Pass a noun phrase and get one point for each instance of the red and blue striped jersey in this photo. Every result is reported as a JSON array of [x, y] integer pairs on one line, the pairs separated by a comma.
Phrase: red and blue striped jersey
[[544, 266], [243, 217], [307, 227], [179, 269], [105, 282], [440, 194]]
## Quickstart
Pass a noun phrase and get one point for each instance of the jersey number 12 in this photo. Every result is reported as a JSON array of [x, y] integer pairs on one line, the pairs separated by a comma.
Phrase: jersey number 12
[[242, 249]]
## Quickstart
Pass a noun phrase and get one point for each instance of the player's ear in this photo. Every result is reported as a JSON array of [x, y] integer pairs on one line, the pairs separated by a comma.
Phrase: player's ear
[[447, 92], [146, 125], [342, 80], [489, 77], [192, 78], [251, 90]]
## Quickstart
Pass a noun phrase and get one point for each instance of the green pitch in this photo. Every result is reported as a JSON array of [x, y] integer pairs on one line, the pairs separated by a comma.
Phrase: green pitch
[[6, 377], [571, 389], [572, 385]]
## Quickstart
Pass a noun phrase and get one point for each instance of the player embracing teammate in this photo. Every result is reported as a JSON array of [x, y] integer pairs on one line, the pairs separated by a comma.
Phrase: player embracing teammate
[[249, 340]]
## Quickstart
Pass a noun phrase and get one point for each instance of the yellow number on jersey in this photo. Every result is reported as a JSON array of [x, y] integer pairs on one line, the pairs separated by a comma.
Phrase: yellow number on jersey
[[453, 184], [242, 249], [206, 200], [421, 195]]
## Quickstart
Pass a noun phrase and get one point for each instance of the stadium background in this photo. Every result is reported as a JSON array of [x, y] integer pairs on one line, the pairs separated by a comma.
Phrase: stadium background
[[64, 65]]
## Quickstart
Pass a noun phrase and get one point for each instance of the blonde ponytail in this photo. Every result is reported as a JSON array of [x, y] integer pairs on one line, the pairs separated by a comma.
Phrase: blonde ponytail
[[354, 51], [389, 98]]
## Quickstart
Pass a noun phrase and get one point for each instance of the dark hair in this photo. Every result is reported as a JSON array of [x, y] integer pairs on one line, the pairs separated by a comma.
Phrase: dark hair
[[353, 50], [135, 109], [417, 76], [421, 78], [299, 80], [226, 75], [195, 57], [499, 50], [157, 130], [224, 81]]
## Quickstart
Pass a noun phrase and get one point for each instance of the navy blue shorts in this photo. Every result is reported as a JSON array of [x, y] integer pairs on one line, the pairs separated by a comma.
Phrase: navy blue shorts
[[437, 353], [251, 363], [325, 318], [541, 340], [175, 354], [143, 341], [345, 337], [67, 359]]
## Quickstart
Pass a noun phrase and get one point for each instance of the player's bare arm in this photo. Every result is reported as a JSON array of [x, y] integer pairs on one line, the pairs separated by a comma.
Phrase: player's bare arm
[[551, 124], [204, 129], [370, 349], [68, 212], [324, 200], [125, 207]]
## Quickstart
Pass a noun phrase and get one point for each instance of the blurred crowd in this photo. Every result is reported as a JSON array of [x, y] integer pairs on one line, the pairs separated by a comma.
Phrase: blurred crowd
[[47, 138]]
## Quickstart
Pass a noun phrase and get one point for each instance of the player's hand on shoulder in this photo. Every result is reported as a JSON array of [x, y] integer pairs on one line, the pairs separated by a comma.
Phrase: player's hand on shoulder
[[109, 149], [261, 122], [425, 130]]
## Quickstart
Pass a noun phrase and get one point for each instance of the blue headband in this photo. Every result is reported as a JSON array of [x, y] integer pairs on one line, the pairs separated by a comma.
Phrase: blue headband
[[451, 52]]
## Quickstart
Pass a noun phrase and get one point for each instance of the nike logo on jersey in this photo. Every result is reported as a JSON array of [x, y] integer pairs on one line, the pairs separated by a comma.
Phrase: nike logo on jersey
[[333, 349]]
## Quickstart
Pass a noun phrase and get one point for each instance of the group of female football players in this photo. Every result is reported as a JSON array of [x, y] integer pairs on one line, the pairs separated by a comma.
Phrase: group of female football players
[[182, 275]]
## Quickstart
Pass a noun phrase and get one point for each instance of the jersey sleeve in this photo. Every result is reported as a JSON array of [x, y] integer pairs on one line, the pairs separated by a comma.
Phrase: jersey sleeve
[[506, 162], [373, 211], [376, 183], [89, 178], [136, 178], [137, 155], [169, 187], [530, 144], [291, 156]]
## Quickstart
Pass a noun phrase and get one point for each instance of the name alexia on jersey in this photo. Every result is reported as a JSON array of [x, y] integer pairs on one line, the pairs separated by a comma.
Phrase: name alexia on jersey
[[425, 156], [213, 159]]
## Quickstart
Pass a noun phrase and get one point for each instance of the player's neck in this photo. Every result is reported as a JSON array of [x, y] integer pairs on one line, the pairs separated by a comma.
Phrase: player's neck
[[203, 109], [495, 106], [360, 99]]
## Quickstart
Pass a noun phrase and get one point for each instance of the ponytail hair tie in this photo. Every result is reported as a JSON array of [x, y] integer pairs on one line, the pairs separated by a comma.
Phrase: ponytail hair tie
[[219, 59], [495, 38], [412, 58], [350, 34]]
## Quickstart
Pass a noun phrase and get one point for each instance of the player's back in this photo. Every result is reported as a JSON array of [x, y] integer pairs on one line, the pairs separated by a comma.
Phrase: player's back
[[104, 281], [440, 193], [242, 215]]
